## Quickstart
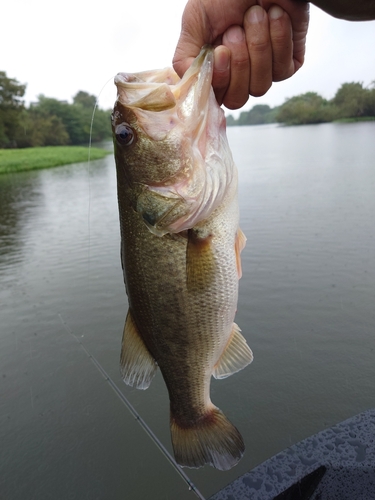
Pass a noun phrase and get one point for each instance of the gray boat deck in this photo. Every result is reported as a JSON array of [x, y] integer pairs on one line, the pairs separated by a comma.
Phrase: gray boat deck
[[335, 464]]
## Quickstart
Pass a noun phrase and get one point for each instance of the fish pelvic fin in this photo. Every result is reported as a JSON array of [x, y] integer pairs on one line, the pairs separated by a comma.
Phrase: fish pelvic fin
[[212, 440], [237, 354], [137, 366], [238, 247]]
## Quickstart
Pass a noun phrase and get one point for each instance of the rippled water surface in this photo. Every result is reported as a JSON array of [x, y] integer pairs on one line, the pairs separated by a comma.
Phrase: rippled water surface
[[306, 307]]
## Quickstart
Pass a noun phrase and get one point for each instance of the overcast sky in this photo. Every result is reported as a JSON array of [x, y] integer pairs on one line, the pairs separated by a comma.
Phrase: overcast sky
[[58, 48]]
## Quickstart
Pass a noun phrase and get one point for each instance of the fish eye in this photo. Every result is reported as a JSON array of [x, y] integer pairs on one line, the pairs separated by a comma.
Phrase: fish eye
[[124, 134]]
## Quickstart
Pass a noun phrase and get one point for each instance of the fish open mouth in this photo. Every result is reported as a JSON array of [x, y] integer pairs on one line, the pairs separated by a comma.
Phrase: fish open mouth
[[162, 89]]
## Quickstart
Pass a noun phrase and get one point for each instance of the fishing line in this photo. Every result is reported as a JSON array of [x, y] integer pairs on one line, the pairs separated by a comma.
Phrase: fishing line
[[88, 171], [133, 411], [93, 114]]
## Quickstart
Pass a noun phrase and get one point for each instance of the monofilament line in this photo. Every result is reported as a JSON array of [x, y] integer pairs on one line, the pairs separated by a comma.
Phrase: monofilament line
[[93, 114], [132, 410], [89, 163]]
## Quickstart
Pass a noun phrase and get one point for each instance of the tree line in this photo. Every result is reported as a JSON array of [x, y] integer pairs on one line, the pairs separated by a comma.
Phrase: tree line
[[352, 101], [48, 122]]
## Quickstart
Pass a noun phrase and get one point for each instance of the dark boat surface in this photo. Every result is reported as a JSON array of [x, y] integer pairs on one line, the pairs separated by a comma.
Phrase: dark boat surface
[[336, 464]]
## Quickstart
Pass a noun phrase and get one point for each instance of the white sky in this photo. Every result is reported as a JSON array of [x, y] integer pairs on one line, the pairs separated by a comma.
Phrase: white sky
[[60, 48]]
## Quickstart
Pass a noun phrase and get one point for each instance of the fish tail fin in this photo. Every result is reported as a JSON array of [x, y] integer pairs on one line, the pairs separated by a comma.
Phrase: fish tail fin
[[213, 440]]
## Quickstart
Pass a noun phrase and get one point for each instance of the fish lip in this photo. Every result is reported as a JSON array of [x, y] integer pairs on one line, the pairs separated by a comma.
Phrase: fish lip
[[124, 78], [132, 80], [133, 87], [146, 78]]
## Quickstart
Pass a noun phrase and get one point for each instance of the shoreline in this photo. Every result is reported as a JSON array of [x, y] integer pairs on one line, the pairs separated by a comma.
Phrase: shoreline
[[36, 158]]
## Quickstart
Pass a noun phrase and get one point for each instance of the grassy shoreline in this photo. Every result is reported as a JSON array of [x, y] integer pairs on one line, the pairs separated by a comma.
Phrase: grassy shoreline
[[19, 160]]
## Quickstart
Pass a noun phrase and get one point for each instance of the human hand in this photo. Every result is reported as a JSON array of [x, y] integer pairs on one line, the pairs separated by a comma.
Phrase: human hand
[[254, 45]]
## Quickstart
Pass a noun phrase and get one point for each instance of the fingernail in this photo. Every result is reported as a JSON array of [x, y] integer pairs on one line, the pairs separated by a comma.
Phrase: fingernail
[[275, 12], [221, 60], [235, 34], [255, 14]]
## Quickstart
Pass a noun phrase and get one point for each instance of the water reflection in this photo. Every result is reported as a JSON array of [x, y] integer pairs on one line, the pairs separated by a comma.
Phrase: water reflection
[[19, 195]]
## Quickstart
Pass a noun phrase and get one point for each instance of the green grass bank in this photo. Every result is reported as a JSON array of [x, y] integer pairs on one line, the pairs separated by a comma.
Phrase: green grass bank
[[17, 160]]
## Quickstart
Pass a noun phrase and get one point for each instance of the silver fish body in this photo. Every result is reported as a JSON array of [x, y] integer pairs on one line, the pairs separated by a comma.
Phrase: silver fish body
[[180, 250]]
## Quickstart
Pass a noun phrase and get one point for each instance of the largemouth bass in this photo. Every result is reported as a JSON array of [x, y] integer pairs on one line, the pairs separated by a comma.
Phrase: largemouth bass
[[180, 251]]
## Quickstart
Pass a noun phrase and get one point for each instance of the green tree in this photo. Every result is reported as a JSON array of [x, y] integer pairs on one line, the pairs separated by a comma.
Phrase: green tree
[[369, 104], [306, 108], [11, 107], [350, 100], [95, 120], [70, 115], [230, 121], [257, 115], [36, 129], [101, 125], [85, 100], [77, 117]]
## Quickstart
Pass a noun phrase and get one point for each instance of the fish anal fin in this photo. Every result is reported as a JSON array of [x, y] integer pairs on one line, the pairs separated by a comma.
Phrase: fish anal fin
[[212, 440], [237, 354], [200, 261], [137, 365], [239, 245]]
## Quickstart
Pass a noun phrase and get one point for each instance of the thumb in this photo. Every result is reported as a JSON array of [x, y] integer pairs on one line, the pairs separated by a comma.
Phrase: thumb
[[195, 32], [183, 58]]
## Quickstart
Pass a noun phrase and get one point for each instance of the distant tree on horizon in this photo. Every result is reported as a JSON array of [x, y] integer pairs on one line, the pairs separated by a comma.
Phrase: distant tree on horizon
[[85, 99], [48, 121], [306, 108], [351, 101], [11, 107]]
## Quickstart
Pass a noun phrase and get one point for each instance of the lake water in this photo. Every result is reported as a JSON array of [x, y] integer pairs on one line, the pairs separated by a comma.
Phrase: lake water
[[306, 308]]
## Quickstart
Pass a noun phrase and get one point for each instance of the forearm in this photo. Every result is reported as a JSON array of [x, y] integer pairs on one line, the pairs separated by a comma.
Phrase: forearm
[[351, 10]]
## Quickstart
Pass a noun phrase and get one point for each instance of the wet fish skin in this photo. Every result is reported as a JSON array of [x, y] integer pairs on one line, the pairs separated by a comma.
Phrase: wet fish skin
[[180, 246]]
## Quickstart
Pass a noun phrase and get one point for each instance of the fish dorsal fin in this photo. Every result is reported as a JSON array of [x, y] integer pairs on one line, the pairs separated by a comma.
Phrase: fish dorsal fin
[[137, 365], [237, 354], [239, 246]]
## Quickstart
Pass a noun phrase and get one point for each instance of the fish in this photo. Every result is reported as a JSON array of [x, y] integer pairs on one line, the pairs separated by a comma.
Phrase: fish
[[180, 251]]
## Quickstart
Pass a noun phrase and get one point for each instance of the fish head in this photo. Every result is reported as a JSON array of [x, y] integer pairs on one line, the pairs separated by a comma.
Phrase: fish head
[[167, 133], [141, 125]]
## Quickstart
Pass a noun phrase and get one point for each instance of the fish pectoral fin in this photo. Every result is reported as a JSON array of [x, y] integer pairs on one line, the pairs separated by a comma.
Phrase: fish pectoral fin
[[237, 354], [137, 365], [200, 261], [239, 246]]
